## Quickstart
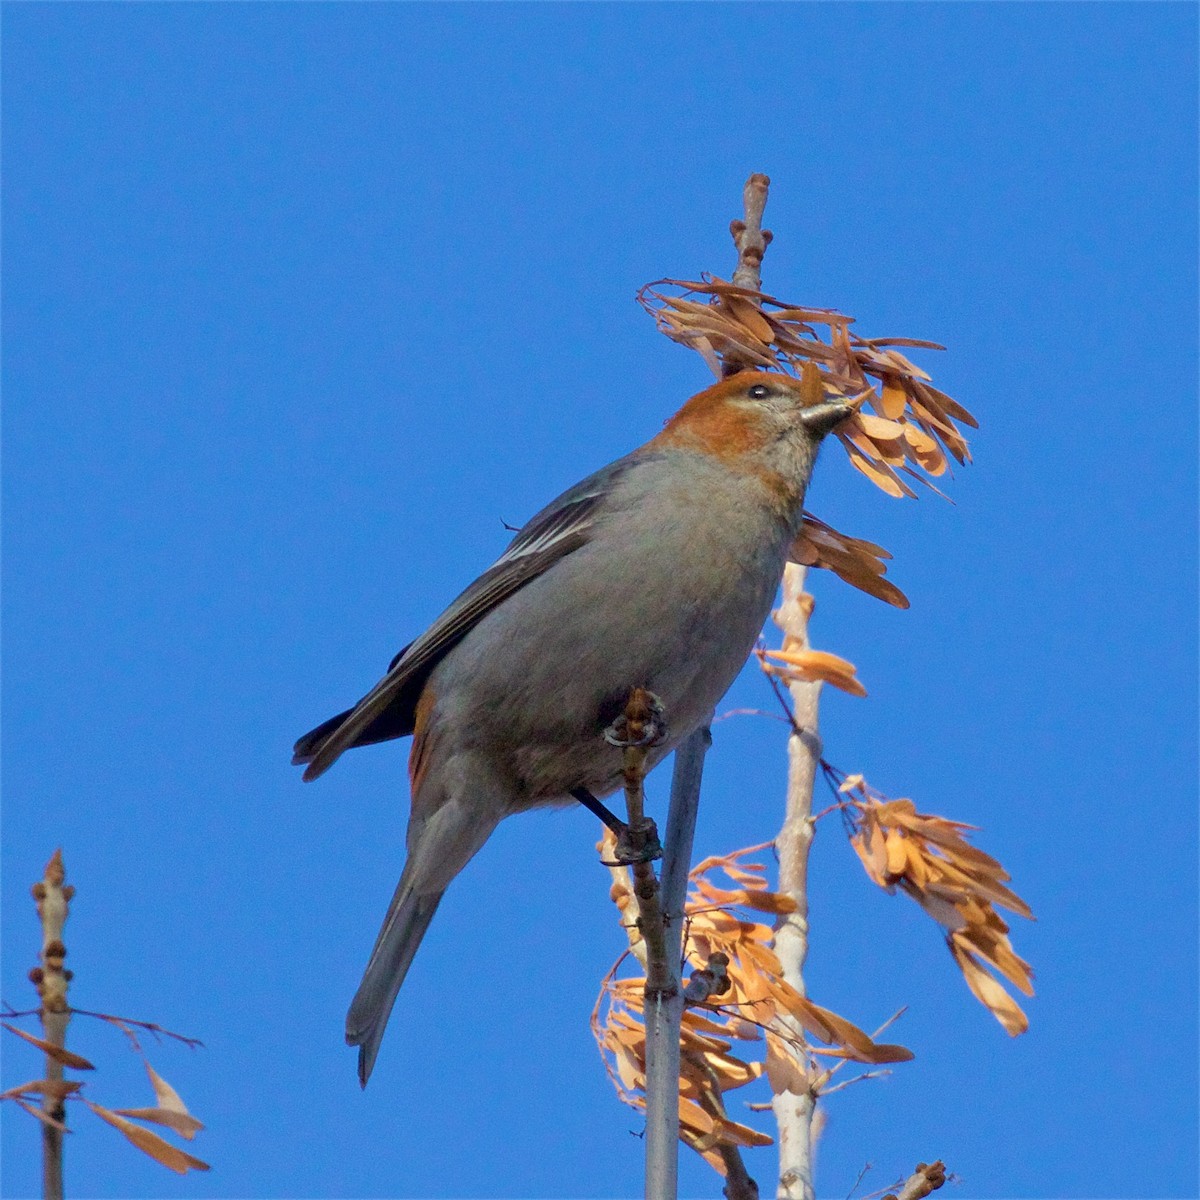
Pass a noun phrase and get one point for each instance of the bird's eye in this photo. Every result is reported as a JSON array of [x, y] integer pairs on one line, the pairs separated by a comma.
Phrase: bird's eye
[[759, 392]]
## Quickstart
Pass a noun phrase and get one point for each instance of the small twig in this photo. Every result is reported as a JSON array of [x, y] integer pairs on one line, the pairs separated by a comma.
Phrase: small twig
[[124, 1023], [789, 716], [738, 1183], [927, 1178], [748, 712], [861, 1175], [751, 241], [832, 1071], [837, 1087]]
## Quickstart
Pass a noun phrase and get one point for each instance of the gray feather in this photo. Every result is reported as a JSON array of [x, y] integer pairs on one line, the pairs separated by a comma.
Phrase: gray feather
[[561, 528], [407, 920]]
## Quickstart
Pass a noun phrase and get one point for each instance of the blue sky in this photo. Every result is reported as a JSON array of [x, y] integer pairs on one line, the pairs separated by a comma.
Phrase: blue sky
[[302, 302]]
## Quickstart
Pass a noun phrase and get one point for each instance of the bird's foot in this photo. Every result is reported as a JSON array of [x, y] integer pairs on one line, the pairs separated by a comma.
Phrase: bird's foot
[[637, 845], [643, 723], [633, 846]]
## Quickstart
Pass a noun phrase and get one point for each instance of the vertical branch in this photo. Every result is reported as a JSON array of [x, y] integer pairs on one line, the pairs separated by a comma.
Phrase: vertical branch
[[53, 904], [795, 1112], [660, 918], [749, 236], [681, 828], [635, 731], [751, 240], [664, 1008]]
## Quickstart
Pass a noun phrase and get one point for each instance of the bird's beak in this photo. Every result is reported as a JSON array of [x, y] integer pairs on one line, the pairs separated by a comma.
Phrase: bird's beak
[[819, 419]]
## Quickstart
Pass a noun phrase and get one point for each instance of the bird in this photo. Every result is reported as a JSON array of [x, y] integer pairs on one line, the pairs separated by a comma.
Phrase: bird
[[657, 571]]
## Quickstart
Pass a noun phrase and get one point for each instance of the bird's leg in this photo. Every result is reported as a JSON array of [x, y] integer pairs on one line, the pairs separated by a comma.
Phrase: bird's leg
[[599, 809], [629, 849]]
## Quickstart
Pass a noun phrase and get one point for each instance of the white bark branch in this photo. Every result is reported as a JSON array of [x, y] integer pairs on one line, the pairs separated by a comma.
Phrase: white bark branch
[[795, 1112]]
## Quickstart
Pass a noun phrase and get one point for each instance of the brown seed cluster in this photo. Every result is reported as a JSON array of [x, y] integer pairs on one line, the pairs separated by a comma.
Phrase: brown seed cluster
[[905, 438], [757, 1005], [957, 884]]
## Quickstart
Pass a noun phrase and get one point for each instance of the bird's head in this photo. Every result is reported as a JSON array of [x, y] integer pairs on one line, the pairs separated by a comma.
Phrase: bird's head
[[766, 424]]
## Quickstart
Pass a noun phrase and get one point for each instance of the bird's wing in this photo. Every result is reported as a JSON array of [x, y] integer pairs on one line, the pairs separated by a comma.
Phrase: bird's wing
[[558, 530]]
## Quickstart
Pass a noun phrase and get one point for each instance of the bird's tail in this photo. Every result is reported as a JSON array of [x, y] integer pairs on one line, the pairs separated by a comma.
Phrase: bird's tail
[[407, 919], [442, 838]]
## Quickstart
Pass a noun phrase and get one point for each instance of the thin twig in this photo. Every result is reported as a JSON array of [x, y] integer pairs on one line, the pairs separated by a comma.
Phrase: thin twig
[[832, 1071], [861, 1175], [837, 1087], [738, 1184], [748, 712], [751, 241], [124, 1025], [639, 729]]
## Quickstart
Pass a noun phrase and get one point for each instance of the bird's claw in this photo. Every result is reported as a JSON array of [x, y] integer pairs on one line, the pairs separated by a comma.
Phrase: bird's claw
[[647, 728], [637, 846]]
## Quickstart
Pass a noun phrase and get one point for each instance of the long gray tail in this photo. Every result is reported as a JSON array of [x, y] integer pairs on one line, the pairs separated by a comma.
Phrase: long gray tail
[[407, 919]]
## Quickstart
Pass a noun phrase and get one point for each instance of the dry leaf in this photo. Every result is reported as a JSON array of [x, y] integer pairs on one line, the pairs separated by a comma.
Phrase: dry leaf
[[183, 1123], [747, 328], [784, 1070], [59, 1088], [42, 1115], [989, 993], [66, 1057], [811, 666], [879, 473], [748, 314], [880, 429], [758, 1000], [150, 1143], [855, 560], [955, 882]]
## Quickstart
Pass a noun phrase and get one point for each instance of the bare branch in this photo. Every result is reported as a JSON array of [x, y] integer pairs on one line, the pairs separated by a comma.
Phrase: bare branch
[[750, 238], [794, 1112], [53, 897], [925, 1179], [660, 921], [635, 732]]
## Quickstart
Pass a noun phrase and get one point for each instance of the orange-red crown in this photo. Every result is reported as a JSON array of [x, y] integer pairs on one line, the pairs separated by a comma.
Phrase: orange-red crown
[[709, 422]]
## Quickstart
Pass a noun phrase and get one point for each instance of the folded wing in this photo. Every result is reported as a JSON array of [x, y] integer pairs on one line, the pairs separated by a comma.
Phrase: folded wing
[[388, 709]]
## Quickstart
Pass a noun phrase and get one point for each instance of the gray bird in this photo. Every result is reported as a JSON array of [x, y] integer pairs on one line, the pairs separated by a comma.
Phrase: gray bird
[[657, 571]]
